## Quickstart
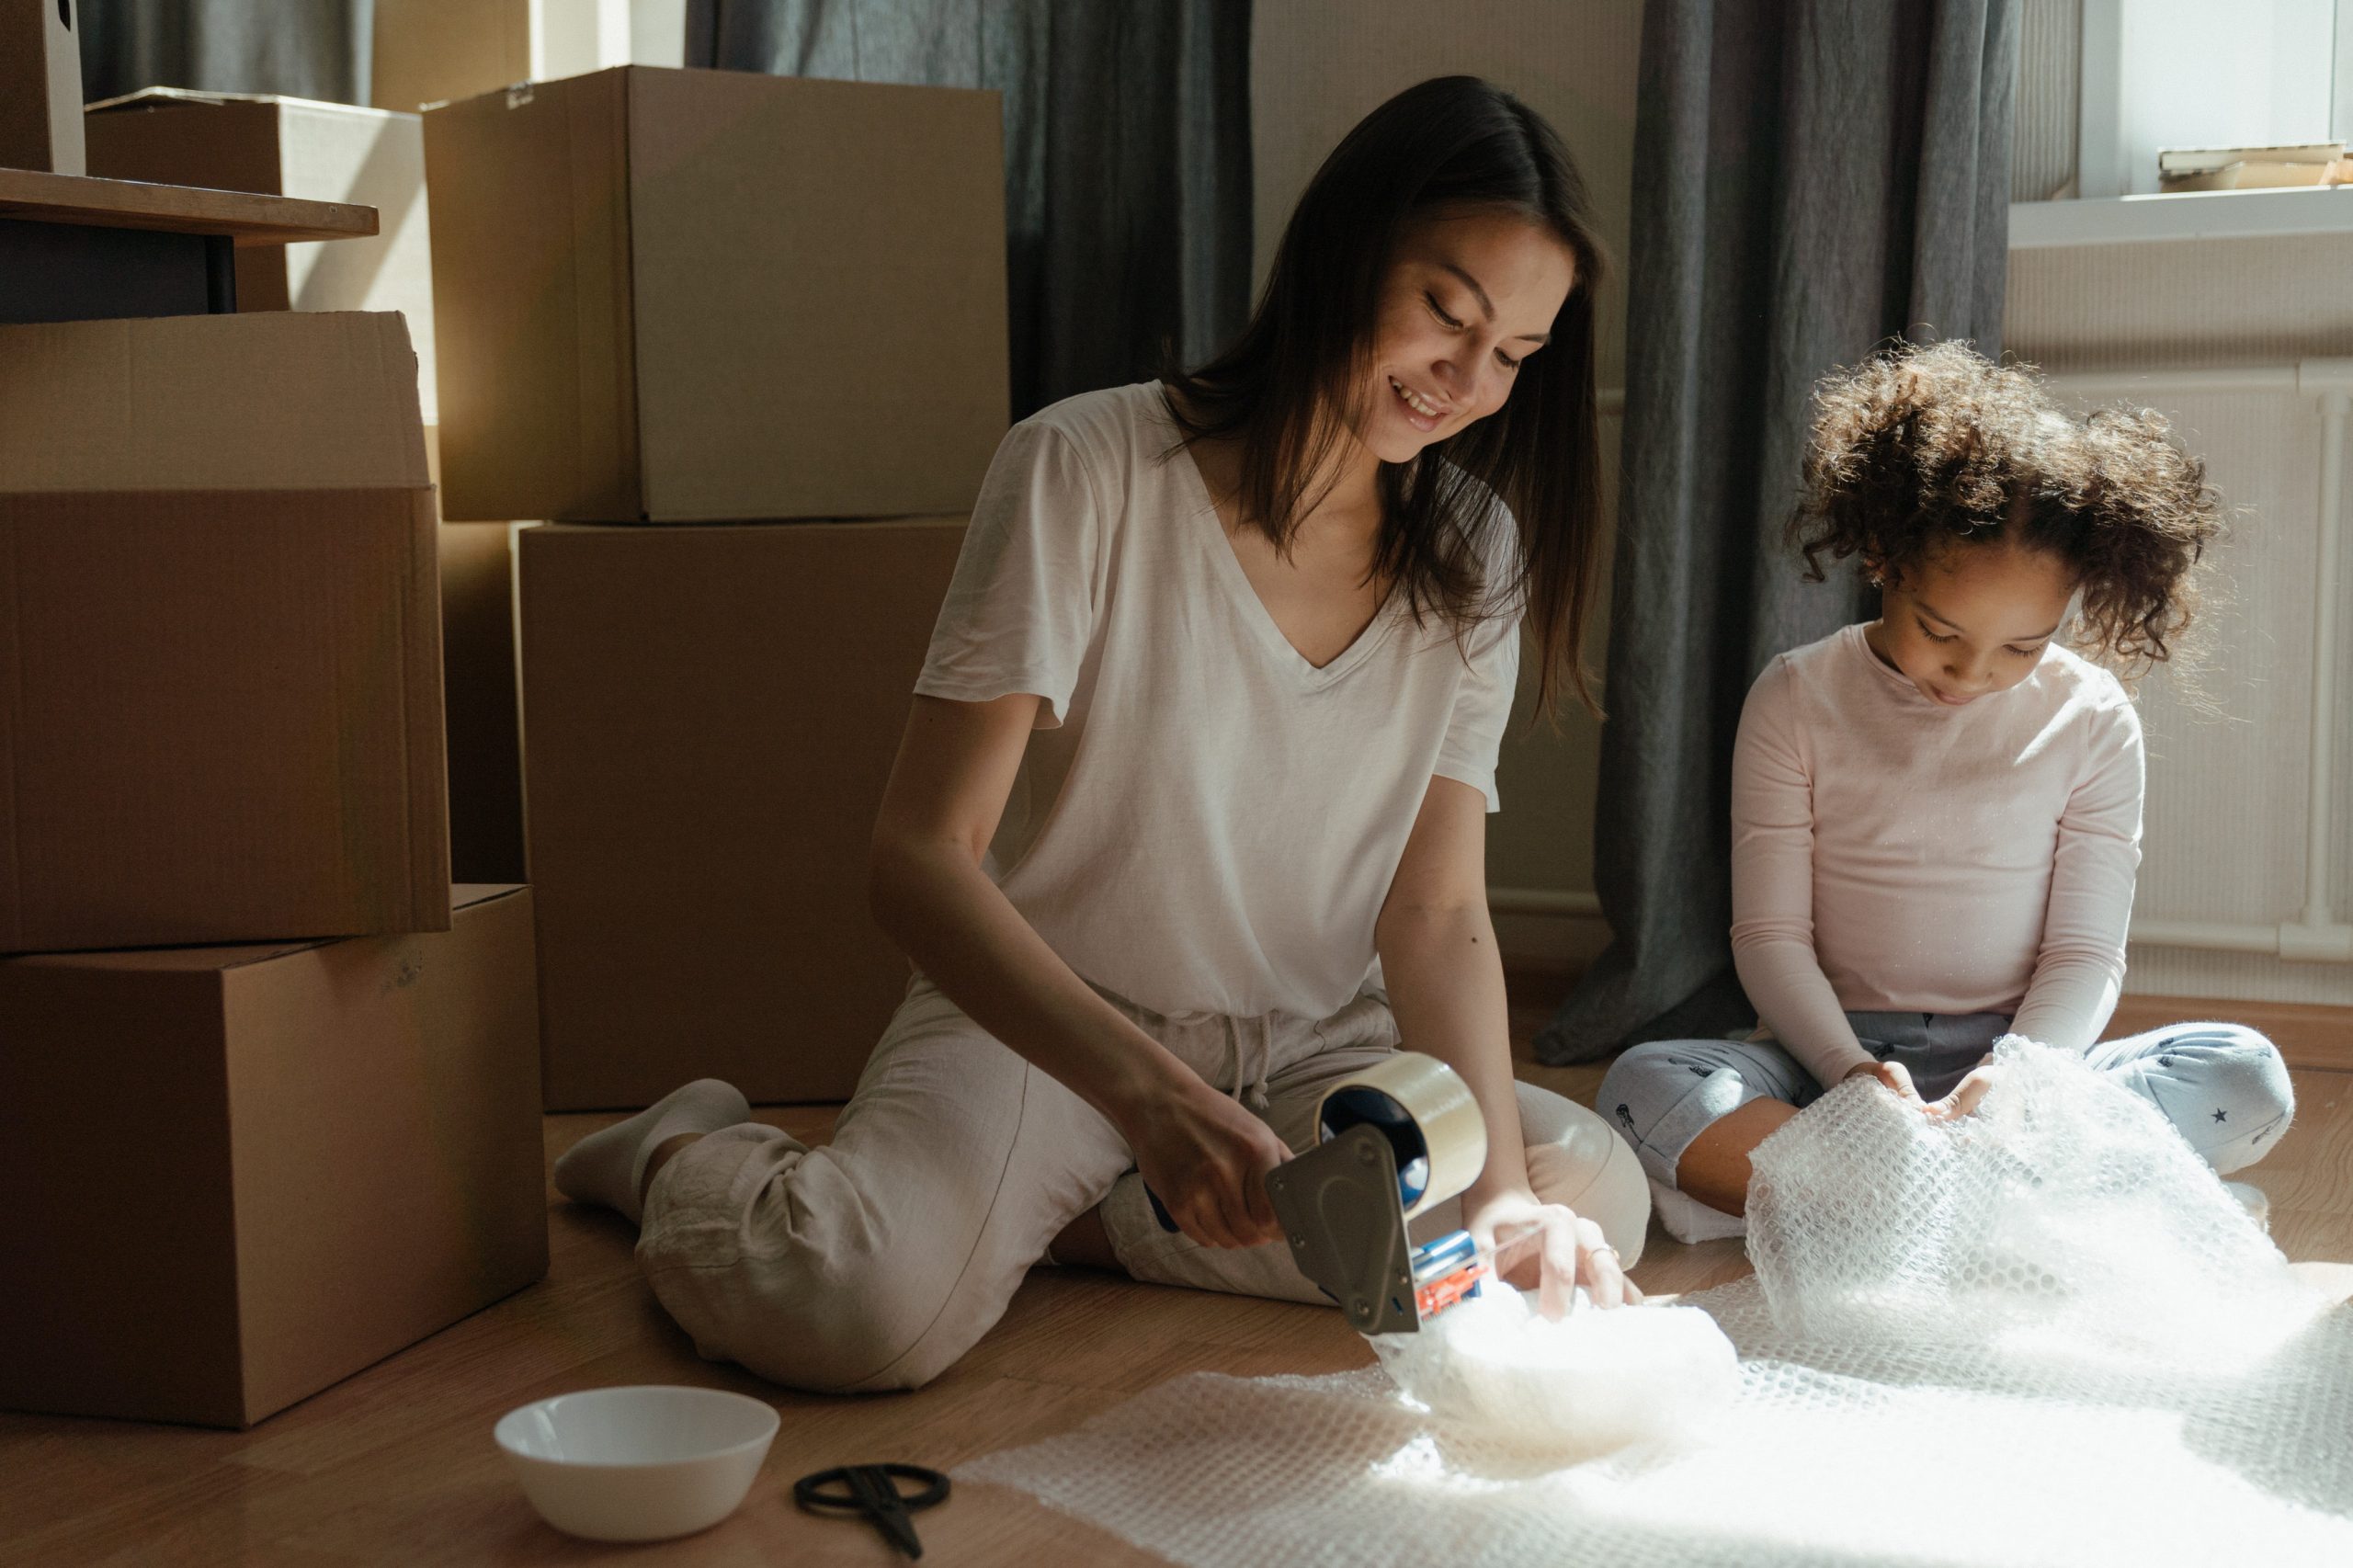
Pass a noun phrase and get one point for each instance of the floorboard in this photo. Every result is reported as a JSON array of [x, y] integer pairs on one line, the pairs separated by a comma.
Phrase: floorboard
[[396, 1465]]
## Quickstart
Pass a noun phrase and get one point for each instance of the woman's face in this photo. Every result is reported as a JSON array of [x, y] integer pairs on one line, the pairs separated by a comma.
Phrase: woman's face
[[1468, 298]]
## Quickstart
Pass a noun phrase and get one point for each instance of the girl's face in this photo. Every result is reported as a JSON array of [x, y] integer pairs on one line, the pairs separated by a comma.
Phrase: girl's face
[[1468, 298], [1972, 620]]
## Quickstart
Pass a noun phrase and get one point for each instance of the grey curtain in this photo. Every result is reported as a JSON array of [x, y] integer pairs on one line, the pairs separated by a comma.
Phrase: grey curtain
[[1127, 147], [1812, 177], [306, 49]]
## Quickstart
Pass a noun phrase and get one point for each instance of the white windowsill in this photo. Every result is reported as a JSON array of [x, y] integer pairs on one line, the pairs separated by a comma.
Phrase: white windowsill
[[2191, 215]]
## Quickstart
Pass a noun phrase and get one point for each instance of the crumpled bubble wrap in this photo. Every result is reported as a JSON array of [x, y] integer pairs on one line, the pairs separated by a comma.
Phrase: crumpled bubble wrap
[[2065, 1210], [1582, 1385]]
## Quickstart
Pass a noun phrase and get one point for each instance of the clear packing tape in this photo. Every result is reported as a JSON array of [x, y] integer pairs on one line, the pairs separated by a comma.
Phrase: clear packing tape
[[2043, 1333]]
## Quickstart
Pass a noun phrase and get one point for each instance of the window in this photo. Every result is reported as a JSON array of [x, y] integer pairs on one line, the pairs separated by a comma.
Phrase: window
[[2160, 73]]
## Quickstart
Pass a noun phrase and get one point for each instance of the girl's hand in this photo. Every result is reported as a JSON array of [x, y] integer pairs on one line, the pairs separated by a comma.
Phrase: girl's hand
[[1967, 1093], [1206, 1158], [1893, 1076], [1546, 1246]]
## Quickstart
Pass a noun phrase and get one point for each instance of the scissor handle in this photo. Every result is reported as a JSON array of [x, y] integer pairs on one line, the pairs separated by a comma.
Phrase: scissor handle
[[810, 1491]]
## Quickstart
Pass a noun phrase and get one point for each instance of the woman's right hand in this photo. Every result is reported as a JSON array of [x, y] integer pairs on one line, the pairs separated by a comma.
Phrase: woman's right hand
[[1206, 1159]]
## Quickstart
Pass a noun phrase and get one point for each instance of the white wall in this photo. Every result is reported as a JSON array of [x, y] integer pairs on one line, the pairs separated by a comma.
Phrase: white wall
[[2228, 789]]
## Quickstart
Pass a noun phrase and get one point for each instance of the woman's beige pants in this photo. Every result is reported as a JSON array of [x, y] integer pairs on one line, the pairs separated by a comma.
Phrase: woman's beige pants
[[876, 1261]]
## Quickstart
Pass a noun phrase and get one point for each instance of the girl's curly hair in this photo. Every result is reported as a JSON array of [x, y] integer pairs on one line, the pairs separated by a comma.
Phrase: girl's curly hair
[[1920, 450]]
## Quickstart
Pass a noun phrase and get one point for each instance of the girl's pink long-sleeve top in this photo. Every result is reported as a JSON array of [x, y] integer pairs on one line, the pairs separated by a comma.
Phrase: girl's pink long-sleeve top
[[1891, 853]]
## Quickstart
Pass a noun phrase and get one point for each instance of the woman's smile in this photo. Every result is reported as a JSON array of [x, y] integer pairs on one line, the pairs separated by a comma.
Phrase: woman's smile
[[1425, 413]]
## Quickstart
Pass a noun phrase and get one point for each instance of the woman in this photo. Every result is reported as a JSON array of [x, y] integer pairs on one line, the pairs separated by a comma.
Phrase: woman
[[1190, 817]]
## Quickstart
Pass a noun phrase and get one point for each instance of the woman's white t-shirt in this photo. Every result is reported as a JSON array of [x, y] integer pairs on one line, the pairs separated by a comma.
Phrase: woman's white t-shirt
[[1205, 821]]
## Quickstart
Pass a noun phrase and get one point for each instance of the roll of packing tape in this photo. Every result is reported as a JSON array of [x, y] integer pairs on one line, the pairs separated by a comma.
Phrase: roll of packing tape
[[1425, 1111]]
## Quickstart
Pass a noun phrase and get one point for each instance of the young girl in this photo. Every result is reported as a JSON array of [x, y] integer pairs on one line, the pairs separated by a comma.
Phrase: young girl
[[1188, 819], [1936, 816]]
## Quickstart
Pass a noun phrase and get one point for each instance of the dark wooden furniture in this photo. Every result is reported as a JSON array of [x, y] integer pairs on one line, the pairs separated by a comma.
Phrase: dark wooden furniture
[[77, 248]]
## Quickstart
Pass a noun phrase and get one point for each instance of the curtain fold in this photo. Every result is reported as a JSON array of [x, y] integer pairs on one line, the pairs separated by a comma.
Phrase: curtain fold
[[1127, 157], [1812, 179]]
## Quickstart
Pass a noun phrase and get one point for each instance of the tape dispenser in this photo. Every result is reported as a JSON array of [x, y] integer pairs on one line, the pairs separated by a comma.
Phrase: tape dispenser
[[1392, 1142]]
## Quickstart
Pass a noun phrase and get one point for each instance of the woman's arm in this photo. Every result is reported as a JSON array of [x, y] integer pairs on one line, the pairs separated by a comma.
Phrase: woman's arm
[[1445, 987], [1204, 1156]]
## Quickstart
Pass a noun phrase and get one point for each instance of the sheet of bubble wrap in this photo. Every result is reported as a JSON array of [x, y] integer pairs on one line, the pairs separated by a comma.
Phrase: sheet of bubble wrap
[[2043, 1335]]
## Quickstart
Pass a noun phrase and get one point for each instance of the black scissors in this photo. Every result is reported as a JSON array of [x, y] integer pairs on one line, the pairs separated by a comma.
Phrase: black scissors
[[873, 1490]]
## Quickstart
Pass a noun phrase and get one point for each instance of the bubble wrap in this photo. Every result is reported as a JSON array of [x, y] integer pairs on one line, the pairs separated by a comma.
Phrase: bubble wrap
[[1577, 1386], [2043, 1335]]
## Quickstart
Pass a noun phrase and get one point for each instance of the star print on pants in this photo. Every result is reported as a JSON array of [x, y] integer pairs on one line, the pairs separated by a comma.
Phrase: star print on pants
[[2222, 1116]]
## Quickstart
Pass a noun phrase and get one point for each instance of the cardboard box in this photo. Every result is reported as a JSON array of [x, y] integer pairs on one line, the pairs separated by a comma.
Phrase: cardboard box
[[220, 650], [429, 51], [695, 295], [709, 716], [293, 147], [40, 87], [238, 1175]]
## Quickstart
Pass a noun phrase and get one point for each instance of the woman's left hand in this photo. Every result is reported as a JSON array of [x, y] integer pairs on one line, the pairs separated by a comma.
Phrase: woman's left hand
[[1546, 1246]]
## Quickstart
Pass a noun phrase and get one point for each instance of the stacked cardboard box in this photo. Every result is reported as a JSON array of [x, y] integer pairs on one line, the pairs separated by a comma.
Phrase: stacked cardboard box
[[744, 302], [700, 296], [224, 661], [711, 713], [237, 1173]]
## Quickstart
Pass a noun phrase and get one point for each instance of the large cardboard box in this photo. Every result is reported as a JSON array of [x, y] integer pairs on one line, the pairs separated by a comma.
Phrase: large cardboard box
[[709, 715], [221, 708], [235, 1176], [40, 87], [293, 147], [694, 295]]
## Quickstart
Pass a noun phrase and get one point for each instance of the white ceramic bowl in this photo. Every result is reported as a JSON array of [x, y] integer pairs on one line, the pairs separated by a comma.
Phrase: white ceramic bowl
[[643, 1463]]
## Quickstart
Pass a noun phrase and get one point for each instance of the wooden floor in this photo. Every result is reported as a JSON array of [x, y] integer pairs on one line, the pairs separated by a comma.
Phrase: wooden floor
[[396, 1465]]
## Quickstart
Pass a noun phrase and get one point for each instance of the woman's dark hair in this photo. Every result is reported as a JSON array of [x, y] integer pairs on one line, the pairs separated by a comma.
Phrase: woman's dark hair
[[1920, 450], [1286, 387]]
